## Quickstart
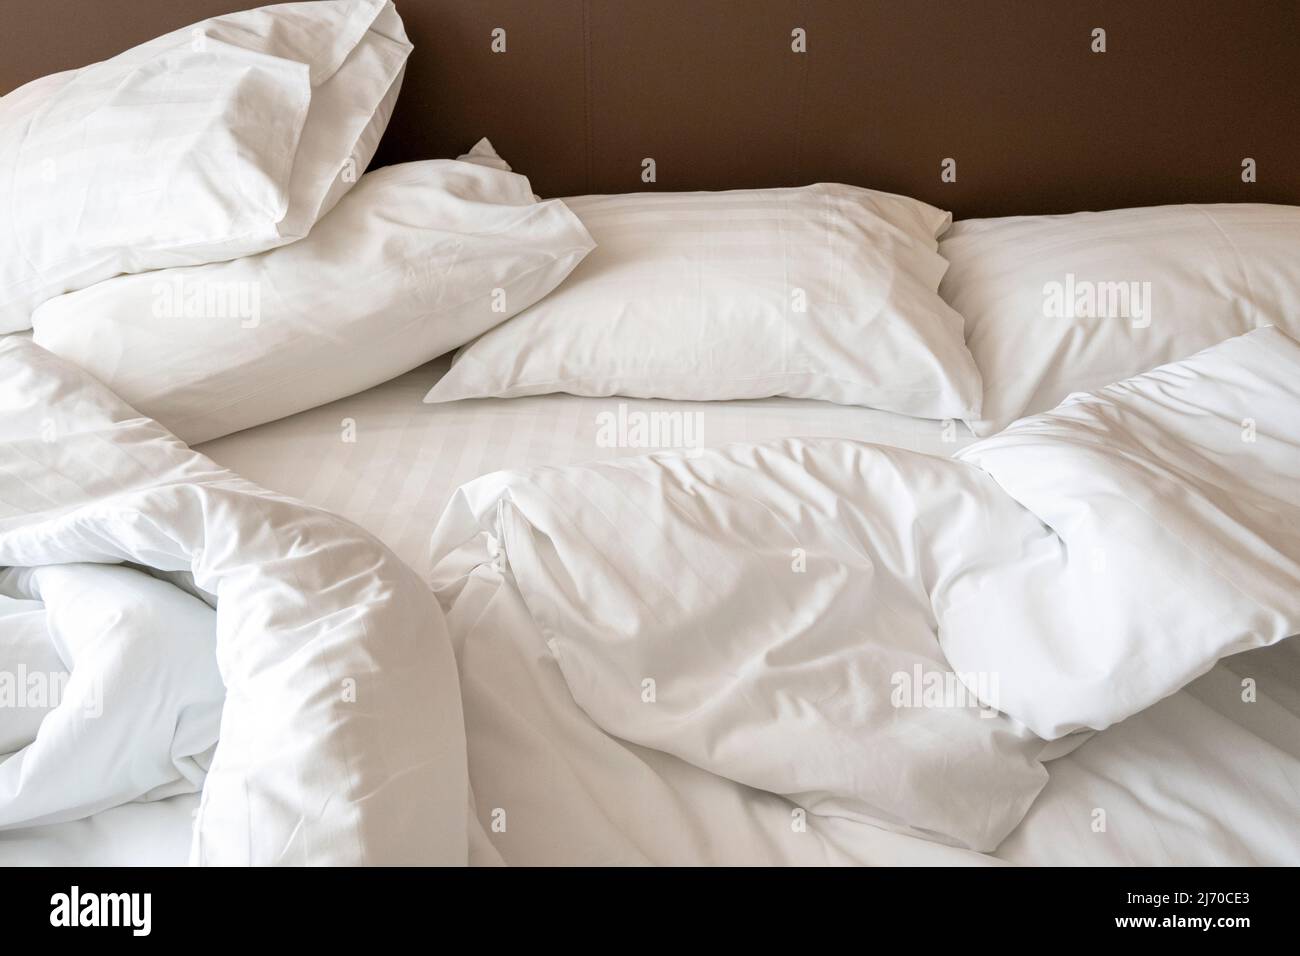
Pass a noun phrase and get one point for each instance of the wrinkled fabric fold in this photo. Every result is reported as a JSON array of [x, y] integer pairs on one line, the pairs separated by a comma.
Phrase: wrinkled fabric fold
[[341, 739], [902, 639]]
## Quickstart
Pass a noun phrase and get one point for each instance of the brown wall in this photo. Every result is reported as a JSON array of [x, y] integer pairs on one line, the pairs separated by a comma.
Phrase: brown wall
[[888, 88]]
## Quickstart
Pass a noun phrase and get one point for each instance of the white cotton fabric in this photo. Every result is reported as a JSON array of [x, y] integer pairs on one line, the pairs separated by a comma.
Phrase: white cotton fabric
[[1028, 288], [219, 140], [416, 260], [1200, 778], [1176, 537], [139, 714], [778, 600], [341, 737], [1097, 559], [29, 667], [824, 291], [408, 459]]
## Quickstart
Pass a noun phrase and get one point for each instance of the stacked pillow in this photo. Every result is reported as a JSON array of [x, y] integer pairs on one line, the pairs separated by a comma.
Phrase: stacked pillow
[[172, 233], [216, 141], [418, 259]]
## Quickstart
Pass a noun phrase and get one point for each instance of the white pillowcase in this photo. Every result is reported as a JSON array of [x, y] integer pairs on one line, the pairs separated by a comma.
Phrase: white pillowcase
[[416, 260], [215, 141], [824, 291], [1164, 282]]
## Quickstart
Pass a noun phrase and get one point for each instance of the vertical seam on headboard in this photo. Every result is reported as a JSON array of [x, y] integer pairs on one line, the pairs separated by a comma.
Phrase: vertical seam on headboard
[[586, 82]]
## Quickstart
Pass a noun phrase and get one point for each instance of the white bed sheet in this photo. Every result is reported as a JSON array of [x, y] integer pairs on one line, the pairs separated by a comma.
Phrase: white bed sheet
[[135, 834], [1198, 779], [405, 458]]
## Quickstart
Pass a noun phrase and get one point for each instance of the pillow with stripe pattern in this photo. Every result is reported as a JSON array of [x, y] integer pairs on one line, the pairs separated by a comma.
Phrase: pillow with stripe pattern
[[825, 291]]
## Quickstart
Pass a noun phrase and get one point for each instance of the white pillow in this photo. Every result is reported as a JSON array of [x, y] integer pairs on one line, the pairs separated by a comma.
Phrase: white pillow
[[822, 291], [1201, 274], [215, 141], [416, 260]]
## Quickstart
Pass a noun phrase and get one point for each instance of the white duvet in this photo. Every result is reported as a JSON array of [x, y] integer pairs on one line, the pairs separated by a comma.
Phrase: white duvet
[[836, 622], [878, 635], [133, 691], [1173, 499], [341, 736]]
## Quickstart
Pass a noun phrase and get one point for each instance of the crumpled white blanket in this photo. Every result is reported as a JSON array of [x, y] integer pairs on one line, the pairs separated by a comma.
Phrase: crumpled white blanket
[[127, 669], [1173, 499], [341, 736], [835, 621], [31, 672], [876, 634]]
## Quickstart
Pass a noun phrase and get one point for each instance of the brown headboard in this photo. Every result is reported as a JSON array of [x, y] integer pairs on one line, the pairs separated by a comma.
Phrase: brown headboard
[[713, 92]]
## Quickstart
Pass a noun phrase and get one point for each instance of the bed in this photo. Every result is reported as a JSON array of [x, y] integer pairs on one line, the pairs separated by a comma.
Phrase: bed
[[1170, 779], [1172, 796], [1205, 775]]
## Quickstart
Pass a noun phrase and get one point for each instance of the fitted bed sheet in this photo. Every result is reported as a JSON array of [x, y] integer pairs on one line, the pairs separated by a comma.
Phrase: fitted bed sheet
[[1201, 778], [390, 463]]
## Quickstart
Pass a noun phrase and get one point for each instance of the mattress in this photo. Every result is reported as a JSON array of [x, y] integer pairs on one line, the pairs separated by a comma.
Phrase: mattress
[[1197, 779], [390, 463]]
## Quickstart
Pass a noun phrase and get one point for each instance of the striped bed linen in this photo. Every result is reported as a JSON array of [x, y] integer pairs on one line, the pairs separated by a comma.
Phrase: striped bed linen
[[390, 463], [1179, 783], [1169, 780]]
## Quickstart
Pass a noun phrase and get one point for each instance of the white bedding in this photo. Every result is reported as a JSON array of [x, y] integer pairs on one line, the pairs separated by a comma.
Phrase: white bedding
[[665, 591], [139, 713], [394, 478], [1191, 781], [390, 463], [341, 736], [1194, 779]]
